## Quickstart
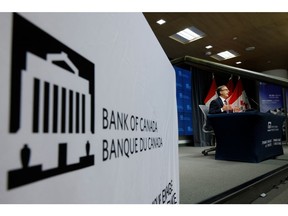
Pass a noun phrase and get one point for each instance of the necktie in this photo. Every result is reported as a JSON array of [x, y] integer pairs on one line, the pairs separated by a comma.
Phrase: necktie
[[225, 102]]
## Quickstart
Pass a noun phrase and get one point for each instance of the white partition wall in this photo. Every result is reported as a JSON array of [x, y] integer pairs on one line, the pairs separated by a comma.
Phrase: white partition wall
[[88, 110]]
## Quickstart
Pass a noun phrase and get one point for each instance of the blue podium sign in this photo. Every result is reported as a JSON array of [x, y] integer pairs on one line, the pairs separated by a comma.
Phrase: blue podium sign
[[248, 136]]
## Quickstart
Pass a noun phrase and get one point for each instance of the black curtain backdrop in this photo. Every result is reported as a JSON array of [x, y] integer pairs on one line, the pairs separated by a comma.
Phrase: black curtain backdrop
[[201, 81]]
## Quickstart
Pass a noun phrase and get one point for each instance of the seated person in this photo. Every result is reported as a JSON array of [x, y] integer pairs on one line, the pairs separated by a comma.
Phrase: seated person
[[220, 105]]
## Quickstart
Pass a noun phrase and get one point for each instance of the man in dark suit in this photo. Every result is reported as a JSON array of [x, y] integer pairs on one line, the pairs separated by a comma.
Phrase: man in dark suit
[[220, 105]]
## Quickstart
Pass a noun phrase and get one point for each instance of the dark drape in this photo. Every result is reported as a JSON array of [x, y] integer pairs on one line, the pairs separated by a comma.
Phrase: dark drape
[[201, 81]]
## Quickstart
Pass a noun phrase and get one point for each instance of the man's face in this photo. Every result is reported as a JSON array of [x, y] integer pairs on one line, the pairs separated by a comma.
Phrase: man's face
[[224, 92]]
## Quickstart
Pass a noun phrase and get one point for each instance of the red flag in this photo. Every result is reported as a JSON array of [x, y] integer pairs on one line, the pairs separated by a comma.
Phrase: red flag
[[212, 93], [239, 97], [230, 86]]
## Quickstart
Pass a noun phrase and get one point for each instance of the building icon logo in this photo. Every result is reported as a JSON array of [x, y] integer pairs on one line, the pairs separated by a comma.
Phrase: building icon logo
[[52, 93]]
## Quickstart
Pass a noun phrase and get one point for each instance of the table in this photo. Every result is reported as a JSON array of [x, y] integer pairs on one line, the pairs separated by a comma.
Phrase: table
[[247, 136]]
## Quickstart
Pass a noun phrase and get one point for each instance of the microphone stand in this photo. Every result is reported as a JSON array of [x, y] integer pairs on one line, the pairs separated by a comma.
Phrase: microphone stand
[[254, 103]]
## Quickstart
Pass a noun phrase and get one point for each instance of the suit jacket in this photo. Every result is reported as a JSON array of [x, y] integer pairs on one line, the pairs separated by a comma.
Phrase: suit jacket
[[215, 106]]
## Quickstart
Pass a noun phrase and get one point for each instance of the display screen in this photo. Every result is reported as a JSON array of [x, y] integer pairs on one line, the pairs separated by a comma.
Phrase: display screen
[[270, 97]]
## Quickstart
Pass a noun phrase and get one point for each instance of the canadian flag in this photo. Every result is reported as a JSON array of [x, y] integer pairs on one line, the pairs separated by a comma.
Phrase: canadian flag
[[212, 92], [230, 85], [239, 97]]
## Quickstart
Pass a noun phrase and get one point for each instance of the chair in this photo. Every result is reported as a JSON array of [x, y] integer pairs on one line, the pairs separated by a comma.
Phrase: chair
[[208, 130]]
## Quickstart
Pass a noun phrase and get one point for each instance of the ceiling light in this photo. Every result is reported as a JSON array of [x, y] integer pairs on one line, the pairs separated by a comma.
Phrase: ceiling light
[[188, 35], [238, 62], [161, 21], [250, 48], [208, 53], [228, 54], [209, 47]]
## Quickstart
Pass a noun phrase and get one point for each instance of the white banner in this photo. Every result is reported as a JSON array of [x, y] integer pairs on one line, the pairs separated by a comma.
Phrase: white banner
[[88, 110]]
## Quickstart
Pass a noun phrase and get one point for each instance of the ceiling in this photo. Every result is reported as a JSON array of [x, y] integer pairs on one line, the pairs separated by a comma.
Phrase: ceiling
[[267, 32]]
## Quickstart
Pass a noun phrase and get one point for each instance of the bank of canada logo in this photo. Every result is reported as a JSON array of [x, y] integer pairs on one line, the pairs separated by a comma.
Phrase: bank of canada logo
[[52, 92], [269, 125]]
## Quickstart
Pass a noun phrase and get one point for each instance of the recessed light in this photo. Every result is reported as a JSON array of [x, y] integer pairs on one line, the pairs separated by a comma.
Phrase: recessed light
[[188, 35], [250, 48], [161, 21], [208, 53], [209, 47], [228, 54]]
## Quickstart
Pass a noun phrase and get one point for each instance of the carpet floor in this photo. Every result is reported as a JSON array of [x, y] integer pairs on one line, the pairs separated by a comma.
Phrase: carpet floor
[[202, 177]]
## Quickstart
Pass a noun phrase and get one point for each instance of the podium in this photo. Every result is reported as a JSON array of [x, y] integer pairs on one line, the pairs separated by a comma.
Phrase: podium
[[247, 136]]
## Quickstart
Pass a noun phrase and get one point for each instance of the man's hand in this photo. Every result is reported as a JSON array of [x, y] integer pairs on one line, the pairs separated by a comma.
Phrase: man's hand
[[236, 109], [227, 108]]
